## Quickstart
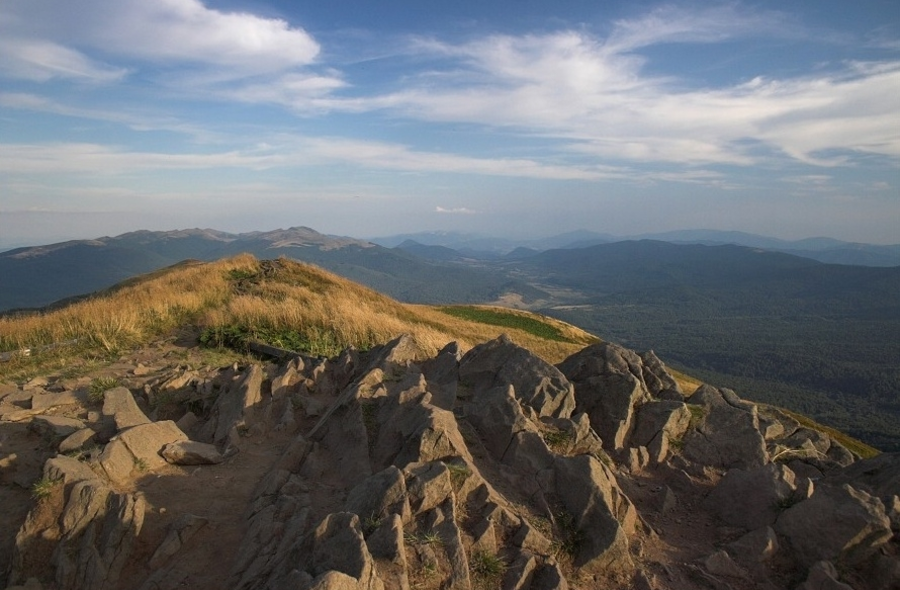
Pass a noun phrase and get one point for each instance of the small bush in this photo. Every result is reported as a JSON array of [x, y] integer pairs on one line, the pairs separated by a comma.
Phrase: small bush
[[43, 487], [100, 386], [486, 565]]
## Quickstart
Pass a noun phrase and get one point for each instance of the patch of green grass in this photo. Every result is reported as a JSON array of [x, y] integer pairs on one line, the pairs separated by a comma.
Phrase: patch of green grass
[[240, 274], [371, 523], [426, 538], [487, 566], [43, 487], [558, 440], [459, 472], [316, 342], [570, 537], [100, 386], [507, 319]]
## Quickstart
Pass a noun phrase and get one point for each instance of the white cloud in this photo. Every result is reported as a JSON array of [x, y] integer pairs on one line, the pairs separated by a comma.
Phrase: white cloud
[[161, 31], [40, 61], [595, 94]]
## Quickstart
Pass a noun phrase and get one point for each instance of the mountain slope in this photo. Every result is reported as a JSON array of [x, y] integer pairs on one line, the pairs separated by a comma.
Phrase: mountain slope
[[34, 277], [815, 337]]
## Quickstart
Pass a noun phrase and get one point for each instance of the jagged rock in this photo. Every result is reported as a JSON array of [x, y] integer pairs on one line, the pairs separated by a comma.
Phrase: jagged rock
[[187, 422], [600, 511], [497, 416], [338, 545], [179, 533], [442, 375], [823, 576], [121, 410], [189, 452], [234, 408], [660, 383], [536, 383], [77, 440], [721, 564], [728, 435], [879, 475], [428, 484], [657, 424], [520, 572], [609, 385], [753, 498], [146, 441], [755, 547], [379, 496], [837, 522], [95, 531], [549, 577]]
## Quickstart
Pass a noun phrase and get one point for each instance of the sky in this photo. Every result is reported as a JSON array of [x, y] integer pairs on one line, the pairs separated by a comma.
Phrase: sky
[[511, 118]]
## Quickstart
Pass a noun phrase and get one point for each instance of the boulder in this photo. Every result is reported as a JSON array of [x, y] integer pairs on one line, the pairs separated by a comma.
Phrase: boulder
[[146, 441], [189, 452], [835, 523], [234, 408], [728, 434], [45, 401], [751, 499], [659, 423], [537, 384], [338, 545], [600, 512], [121, 410], [77, 440], [609, 385], [660, 383], [379, 496]]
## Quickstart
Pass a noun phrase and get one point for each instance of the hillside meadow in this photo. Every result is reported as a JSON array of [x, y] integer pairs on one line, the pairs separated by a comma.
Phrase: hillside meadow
[[280, 302]]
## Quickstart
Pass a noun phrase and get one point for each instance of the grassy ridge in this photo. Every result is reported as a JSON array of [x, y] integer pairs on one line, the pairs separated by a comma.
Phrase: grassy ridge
[[541, 327], [282, 302]]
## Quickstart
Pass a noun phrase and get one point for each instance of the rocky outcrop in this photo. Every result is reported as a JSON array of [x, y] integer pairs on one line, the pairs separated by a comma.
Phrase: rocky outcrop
[[484, 469]]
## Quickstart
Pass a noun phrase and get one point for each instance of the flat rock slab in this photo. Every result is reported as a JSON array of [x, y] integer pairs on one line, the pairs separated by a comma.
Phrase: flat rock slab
[[77, 440], [189, 452], [145, 441], [120, 407], [57, 426], [45, 401]]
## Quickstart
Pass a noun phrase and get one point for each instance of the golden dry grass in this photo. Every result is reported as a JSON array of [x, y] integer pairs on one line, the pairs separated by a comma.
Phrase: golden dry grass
[[263, 296]]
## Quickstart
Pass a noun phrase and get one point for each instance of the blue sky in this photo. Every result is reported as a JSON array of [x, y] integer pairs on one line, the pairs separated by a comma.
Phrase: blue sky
[[512, 118]]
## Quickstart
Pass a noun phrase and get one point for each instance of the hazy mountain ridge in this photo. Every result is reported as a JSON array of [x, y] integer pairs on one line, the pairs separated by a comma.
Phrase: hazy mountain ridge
[[39, 276], [827, 250]]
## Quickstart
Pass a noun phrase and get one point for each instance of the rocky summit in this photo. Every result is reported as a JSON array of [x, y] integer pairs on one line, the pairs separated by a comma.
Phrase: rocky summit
[[383, 470]]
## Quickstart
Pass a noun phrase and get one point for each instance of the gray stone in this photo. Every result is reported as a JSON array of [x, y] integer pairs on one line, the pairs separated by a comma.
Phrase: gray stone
[[657, 377], [836, 523], [728, 436], [45, 401], [609, 385], [721, 564], [120, 408], [55, 426], [179, 533], [600, 511], [77, 440], [118, 462], [657, 424], [537, 384], [823, 576], [189, 452], [145, 442], [338, 545], [753, 498], [379, 496]]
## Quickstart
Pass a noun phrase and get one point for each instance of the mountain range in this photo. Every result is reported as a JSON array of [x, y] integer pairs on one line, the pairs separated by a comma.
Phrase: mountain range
[[780, 328]]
